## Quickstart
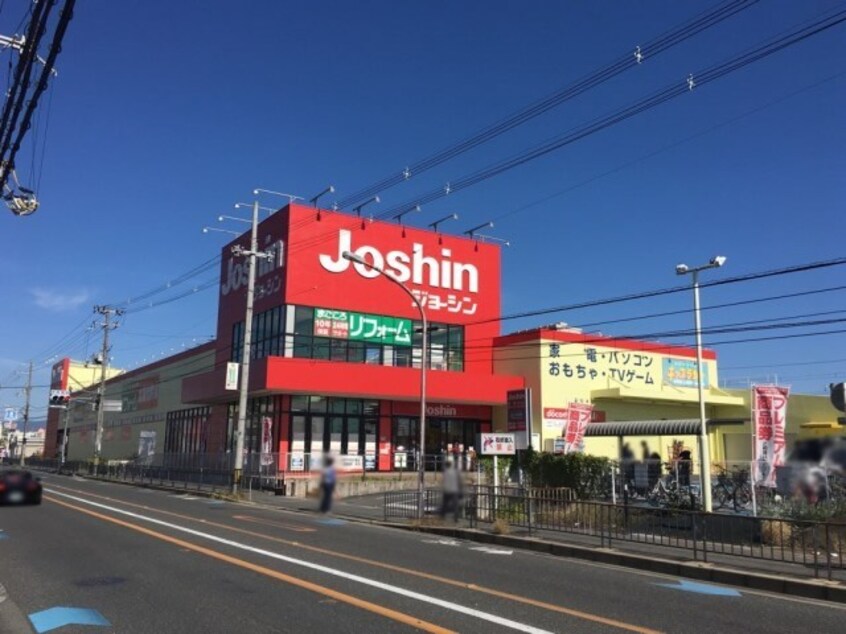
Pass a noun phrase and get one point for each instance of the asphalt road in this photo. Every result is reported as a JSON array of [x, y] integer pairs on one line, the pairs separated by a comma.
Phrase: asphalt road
[[157, 562]]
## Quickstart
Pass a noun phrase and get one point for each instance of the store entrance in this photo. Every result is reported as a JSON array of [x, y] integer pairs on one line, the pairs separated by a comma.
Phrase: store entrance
[[442, 435]]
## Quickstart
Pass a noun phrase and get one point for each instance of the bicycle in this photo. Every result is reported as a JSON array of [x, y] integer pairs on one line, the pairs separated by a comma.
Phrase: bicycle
[[733, 488], [672, 494]]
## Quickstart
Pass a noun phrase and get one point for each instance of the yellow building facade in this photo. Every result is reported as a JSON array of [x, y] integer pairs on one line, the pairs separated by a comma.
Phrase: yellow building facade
[[628, 380]]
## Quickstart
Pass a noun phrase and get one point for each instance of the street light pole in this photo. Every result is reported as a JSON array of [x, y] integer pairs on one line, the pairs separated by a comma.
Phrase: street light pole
[[353, 257], [704, 444]]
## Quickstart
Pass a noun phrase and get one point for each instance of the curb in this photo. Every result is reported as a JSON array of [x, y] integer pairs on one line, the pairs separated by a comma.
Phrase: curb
[[821, 590], [12, 620]]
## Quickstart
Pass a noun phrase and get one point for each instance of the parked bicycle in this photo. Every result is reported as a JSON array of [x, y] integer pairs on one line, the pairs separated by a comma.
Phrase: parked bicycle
[[667, 492], [732, 488]]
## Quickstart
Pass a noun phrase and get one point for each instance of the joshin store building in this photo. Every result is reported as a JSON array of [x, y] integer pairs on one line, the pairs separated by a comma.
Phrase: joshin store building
[[335, 354]]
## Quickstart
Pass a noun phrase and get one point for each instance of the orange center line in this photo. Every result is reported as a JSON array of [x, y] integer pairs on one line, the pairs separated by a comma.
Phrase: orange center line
[[268, 572], [587, 616]]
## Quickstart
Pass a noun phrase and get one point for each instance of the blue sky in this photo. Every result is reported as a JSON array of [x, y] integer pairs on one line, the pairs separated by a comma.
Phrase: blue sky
[[164, 114]]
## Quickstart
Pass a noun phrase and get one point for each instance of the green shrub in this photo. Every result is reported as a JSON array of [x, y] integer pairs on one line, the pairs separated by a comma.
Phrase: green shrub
[[584, 474]]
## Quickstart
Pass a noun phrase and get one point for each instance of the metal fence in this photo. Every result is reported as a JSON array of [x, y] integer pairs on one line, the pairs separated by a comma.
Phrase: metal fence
[[734, 488], [820, 545]]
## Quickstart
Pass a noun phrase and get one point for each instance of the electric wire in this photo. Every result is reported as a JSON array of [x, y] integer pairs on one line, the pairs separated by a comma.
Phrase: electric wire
[[630, 59]]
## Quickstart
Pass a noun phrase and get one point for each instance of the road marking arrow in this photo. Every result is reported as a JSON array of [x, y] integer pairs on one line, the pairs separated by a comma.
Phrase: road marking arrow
[[443, 542], [492, 551], [701, 588], [55, 618]]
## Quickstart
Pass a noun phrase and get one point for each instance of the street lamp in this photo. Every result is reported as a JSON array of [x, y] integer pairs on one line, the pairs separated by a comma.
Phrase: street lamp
[[704, 445], [353, 257], [357, 209]]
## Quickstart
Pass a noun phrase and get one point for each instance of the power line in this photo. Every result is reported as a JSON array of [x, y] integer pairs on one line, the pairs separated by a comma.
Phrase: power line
[[658, 98], [626, 61]]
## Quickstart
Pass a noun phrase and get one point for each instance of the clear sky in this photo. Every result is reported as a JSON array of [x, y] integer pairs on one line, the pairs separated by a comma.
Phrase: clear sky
[[166, 113]]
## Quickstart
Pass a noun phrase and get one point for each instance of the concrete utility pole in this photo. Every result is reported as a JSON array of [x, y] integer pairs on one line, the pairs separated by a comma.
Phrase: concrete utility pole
[[107, 325], [28, 392], [251, 254]]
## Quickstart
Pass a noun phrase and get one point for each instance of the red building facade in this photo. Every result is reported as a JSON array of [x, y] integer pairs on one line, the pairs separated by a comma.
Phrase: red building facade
[[336, 347]]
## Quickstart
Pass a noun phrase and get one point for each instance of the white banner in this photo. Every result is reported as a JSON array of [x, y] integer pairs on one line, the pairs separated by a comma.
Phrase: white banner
[[232, 376], [769, 416], [266, 441]]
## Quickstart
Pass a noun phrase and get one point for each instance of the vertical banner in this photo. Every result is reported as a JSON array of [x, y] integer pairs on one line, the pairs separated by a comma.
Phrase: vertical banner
[[266, 441], [578, 417], [769, 415]]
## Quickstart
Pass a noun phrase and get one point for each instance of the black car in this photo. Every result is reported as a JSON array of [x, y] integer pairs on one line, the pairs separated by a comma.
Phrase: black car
[[19, 487]]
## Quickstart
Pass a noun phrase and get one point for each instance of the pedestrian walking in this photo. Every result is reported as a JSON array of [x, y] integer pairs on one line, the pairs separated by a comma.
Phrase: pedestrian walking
[[327, 484], [452, 490]]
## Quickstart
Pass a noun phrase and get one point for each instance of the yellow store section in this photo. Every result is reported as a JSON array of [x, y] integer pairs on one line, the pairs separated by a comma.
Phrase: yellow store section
[[628, 380]]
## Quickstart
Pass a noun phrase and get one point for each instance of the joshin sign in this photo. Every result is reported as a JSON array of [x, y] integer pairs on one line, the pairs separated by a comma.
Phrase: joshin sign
[[769, 413]]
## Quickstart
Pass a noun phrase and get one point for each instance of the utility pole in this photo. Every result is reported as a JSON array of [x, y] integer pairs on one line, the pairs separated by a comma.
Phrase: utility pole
[[251, 254], [28, 392], [107, 325]]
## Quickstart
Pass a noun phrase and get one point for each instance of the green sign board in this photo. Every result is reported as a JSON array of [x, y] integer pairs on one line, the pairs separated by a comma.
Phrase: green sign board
[[342, 324]]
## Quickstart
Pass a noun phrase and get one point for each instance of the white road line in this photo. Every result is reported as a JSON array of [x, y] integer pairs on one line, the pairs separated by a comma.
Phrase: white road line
[[491, 550], [485, 616]]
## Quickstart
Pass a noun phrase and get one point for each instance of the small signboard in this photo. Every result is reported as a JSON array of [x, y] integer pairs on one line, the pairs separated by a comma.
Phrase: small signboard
[[370, 462], [297, 462], [10, 414], [497, 444], [112, 406], [400, 460], [232, 376], [559, 445], [350, 463], [517, 400]]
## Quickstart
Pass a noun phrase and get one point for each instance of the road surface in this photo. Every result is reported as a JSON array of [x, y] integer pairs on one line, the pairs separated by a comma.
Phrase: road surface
[[158, 562]]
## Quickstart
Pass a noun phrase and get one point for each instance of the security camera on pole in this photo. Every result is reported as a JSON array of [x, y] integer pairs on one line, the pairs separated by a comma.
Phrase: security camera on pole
[[704, 446]]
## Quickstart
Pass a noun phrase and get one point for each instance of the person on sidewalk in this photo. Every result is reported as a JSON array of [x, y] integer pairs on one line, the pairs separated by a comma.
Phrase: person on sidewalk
[[327, 484], [452, 490]]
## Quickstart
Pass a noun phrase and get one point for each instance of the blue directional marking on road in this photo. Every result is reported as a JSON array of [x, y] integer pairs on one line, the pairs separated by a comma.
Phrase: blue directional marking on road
[[217, 503], [331, 522], [3, 535], [54, 618], [702, 588]]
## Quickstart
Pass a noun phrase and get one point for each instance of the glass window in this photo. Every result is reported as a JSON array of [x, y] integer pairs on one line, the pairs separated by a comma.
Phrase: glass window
[[299, 403], [321, 348], [338, 348], [337, 405], [318, 403], [355, 352], [302, 347], [353, 406], [353, 431], [304, 321]]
